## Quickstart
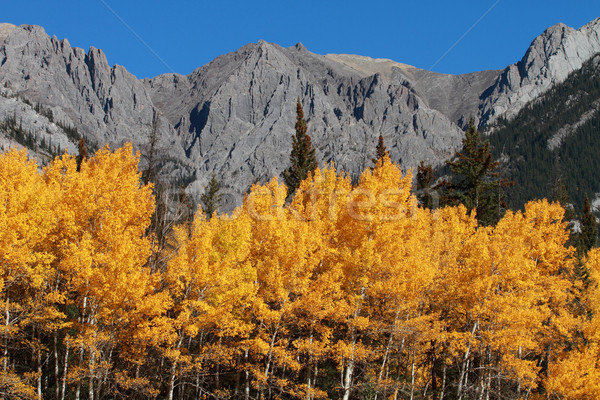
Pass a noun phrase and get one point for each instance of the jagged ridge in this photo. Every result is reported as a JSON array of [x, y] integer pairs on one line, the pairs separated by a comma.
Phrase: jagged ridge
[[235, 115]]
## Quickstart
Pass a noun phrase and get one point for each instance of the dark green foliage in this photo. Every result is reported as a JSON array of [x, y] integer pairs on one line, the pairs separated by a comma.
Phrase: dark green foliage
[[303, 159], [70, 131], [425, 179], [524, 140], [380, 150], [25, 137], [151, 156], [211, 198], [588, 237], [585, 241], [474, 181], [82, 153], [46, 112], [33, 141], [559, 193]]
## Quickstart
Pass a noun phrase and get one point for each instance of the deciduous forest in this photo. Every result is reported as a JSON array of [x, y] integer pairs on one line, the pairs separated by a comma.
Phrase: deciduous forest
[[347, 291]]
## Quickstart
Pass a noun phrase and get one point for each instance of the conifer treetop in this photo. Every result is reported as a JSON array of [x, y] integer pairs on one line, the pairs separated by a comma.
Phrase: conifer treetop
[[211, 198], [303, 159], [381, 150]]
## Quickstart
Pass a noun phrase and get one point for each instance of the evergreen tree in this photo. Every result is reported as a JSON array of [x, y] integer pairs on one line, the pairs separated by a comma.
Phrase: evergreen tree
[[82, 155], [303, 159], [381, 150], [560, 194], [475, 182], [211, 198], [424, 181], [150, 153], [589, 228]]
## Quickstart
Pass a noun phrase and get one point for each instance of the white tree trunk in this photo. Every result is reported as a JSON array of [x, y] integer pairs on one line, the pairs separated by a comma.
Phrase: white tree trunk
[[174, 370], [65, 370]]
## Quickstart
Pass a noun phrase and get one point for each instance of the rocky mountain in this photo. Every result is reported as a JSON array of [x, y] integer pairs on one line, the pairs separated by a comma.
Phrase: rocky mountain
[[105, 104], [551, 57], [237, 113], [235, 116]]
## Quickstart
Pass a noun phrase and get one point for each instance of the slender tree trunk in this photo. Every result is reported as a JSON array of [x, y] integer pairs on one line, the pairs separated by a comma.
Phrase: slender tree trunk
[[348, 375], [247, 382], [56, 367], [198, 391], [81, 349], [465, 364], [102, 382], [65, 370], [172, 379], [217, 383], [7, 322], [269, 359], [347, 382], [488, 384], [548, 354], [315, 374], [412, 376], [308, 372], [387, 352], [174, 370], [347, 379], [443, 388], [91, 371], [39, 366], [236, 389], [78, 390], [92, 361]]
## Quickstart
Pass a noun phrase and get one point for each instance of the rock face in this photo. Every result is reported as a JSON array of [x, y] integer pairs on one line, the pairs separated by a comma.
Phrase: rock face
[[551, 57], [235, 116], [106, 104]]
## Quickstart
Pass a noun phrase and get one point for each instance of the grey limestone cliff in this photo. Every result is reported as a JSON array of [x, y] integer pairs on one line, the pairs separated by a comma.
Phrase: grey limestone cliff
[[106, 104], [551, 57], [236, 115]]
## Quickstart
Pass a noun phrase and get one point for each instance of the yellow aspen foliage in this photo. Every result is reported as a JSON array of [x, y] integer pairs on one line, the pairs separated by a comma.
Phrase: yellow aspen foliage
[[347, 292], [100, 251], [101, 244], [26, 220], [283, 254], [576, 373], [211, 286], [319, 204]]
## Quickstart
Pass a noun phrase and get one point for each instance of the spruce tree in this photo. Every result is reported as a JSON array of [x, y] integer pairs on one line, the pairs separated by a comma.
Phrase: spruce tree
[[424, 180], [82, 155], [381, 150], [303, 159], [211, 198], [475, 183], [560, 194], [589, 228]]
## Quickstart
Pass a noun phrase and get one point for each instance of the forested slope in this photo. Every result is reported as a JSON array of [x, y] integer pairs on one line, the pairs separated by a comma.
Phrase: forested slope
[[555, 136]]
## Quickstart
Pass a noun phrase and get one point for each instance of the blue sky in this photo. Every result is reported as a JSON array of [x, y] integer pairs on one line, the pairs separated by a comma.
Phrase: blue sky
[[154, 37]]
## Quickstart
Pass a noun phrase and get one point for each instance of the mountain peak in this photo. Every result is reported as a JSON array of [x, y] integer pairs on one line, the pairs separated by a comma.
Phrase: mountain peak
[[551, 57], [300, 47]]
